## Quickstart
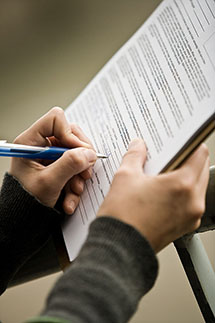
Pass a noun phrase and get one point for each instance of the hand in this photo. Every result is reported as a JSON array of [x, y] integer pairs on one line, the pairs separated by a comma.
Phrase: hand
[[164, 207], [70, 172]]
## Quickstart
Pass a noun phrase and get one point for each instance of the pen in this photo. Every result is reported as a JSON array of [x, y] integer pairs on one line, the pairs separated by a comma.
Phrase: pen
[[34, 152]]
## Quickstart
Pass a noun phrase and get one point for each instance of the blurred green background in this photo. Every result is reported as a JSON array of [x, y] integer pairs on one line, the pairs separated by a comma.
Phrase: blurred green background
[[49, 51]]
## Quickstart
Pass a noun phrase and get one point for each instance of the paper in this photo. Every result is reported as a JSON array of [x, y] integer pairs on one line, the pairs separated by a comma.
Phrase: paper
[[159, 86]]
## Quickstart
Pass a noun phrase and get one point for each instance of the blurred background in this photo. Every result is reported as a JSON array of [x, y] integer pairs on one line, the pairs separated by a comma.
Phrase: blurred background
[[49, 51]]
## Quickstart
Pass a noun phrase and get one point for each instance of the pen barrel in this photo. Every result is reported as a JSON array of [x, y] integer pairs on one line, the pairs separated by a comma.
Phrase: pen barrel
[[51, 153]]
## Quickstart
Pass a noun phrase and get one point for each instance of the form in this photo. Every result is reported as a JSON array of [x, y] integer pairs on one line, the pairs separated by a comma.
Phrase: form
[[159, 86]]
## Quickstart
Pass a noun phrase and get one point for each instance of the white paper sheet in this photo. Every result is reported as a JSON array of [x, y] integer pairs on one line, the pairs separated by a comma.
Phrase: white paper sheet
[[159, 86]]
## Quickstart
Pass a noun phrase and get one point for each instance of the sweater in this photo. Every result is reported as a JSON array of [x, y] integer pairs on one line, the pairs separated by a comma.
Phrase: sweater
[[115, 268]]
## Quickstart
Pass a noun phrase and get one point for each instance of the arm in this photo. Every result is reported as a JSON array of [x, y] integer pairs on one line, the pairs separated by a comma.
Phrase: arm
[[25, 226], [31, 190], [140, 216], [45, 261], [114, 269]]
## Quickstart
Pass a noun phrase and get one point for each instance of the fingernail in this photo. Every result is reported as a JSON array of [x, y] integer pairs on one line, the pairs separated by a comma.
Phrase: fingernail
[[90, 154], [72, 207]]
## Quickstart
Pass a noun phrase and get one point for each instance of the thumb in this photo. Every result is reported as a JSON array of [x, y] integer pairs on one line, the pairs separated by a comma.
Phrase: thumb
[[135, 157], [73, 162]]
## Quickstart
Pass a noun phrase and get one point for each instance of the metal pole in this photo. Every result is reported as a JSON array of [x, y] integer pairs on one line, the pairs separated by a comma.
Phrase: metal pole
[[195, 261], [199, 273]]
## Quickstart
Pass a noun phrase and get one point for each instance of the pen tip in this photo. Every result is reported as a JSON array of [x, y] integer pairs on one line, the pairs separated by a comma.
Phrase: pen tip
[[102, 156]]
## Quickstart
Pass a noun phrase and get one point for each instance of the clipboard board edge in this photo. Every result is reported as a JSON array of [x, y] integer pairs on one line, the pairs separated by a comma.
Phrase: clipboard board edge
[[201, 134]]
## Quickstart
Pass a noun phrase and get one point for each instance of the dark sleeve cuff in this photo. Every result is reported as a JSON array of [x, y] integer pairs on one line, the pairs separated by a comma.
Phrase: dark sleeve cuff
[[132, 246], [114, 269], [25, 225]]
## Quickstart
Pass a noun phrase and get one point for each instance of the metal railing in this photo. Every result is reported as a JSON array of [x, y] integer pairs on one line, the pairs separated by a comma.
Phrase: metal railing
[[195, 260]]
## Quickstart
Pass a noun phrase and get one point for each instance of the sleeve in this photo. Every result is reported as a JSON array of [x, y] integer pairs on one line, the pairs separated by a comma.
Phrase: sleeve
[[114, 269], [25, 226]]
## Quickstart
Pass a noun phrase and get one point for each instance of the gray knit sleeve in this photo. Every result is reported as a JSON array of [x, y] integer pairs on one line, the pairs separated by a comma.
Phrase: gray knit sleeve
[[114, 269], [25, 226]]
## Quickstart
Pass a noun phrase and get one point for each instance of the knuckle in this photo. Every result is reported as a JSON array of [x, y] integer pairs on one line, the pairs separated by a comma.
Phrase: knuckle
[[18, 140], [87, 174], [205, 150], [194, 213], [77, 185], [56, 111], [80, 190], [77, 160], [185, 185], [194, 225], [75, 126], [198, 209], [124, 171], [80, 187]]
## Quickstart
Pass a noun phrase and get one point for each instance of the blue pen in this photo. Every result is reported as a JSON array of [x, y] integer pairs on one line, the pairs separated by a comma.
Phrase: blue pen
[[34, 152]]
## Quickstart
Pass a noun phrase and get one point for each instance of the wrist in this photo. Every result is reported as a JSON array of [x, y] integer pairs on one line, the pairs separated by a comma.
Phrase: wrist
[[157, 239], [118, 259]]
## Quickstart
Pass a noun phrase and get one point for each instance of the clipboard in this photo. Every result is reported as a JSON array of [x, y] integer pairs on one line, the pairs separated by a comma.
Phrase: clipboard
[[176, 162]]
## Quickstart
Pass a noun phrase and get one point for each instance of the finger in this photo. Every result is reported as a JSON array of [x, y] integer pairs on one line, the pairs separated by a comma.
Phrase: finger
[[193, 166], [87, 174], [76, 185], [54, 141], [72, 162], [78, 132], [197, 204], [53, 123], [70, 202], [204, 178], [75, 130], [135, 157]]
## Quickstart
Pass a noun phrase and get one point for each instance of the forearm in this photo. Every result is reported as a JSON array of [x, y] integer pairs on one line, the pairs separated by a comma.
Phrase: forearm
[[44, 262], [114, 269], [25, 226]]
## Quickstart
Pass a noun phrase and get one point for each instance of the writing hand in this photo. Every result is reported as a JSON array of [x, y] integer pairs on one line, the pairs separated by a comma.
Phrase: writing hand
[[46, 181]]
